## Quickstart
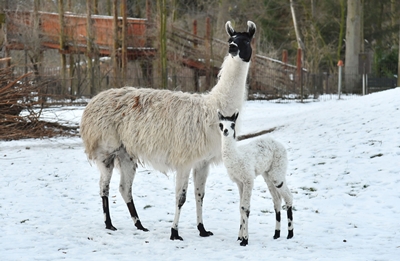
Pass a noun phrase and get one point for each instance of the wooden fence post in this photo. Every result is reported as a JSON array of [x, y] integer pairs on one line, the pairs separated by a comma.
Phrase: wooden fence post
[[299, 73]]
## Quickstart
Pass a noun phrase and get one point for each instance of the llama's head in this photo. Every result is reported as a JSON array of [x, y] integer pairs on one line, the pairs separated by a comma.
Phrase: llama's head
[[240, 42], [227, 124]]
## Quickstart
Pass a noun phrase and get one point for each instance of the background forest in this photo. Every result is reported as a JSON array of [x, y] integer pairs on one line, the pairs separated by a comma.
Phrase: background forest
[[354, 31]]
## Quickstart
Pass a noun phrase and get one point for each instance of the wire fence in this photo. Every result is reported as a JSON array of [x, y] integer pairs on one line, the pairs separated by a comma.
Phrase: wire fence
[[269, 81]]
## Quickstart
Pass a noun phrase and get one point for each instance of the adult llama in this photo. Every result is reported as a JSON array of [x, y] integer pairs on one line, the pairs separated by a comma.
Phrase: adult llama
[[170, 131]]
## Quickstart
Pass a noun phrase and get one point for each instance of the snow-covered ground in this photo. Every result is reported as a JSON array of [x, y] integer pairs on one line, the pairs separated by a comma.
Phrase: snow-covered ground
[[344, 173]]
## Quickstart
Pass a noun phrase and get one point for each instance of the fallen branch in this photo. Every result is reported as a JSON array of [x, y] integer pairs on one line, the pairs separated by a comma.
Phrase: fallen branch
[[255, 134]]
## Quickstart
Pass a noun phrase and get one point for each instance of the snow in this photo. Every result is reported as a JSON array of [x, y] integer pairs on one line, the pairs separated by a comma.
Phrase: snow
[[344, 173]]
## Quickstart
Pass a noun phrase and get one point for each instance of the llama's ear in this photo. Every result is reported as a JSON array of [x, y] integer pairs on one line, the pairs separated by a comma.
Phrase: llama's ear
[[235, 115], [229, 29], [251, 28]]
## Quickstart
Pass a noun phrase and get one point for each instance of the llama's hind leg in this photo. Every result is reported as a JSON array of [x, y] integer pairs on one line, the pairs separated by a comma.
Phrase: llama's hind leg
[[127, 166], [181, 184], [277, 200], [288, 198], [278, 191], [200, 174], [106, 167]]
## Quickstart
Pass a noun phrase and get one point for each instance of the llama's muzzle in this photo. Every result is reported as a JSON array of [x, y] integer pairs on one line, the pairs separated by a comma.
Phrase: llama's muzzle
[[233, 49]]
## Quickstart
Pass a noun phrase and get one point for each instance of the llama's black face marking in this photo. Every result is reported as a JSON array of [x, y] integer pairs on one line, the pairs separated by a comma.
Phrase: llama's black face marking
[[240, 45], [240, 42]]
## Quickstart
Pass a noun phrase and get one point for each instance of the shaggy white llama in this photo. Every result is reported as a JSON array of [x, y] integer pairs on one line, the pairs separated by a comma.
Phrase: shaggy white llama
[[171, 131], [264, 156]]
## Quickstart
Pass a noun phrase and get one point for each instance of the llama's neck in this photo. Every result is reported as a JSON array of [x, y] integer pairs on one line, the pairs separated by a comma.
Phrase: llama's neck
[[231, 87], [229, 149]]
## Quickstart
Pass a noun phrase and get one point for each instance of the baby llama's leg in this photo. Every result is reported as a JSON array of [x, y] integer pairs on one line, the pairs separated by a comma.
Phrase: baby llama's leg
[[277, 175], [127, 166], [277, 200], [287, 196], [240, 188], [245, 209], [106, 167]]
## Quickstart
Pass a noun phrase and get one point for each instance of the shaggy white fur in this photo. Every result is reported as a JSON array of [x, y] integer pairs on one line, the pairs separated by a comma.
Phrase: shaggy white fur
[[171, 131], [263, 156]]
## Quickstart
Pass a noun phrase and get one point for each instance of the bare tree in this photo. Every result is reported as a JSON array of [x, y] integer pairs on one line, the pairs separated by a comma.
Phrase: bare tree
[[62, 45], [163, 42], [398, 63], [353, 43]]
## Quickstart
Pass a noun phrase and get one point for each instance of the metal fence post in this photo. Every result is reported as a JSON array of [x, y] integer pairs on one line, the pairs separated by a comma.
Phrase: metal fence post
[[340, 65]]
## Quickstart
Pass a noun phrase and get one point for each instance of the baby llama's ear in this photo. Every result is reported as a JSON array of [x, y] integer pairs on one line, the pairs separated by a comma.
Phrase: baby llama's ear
[[251, 28], [229, 29], [236, 115]]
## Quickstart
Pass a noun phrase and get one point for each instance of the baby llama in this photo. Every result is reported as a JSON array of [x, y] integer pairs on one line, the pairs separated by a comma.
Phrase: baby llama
[[244, 163], [171, 131]]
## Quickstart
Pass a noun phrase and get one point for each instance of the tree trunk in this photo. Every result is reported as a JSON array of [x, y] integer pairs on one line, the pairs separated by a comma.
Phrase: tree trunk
[[89, 48], [69, 5], [398, 63], [163, 43], [95, 7], [300, 44], [124, 55], [353, 44], [342, 26], [115, 55], [208, 55], [62, 47]]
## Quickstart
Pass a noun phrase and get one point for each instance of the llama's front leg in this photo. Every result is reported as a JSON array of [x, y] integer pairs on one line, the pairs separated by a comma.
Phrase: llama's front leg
[[200, 174], [240, 188], [128, 167], [245, 211], [182, 178], [106, 167]]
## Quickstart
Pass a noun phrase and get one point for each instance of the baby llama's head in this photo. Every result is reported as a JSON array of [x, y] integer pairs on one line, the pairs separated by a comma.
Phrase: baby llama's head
[[227, 124]]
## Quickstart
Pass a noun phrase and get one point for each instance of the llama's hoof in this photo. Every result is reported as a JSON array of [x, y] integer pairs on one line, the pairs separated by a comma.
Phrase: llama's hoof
[[290, 234], [206, 234], [175, 235], [139, 226], [203, 232], [277, 234], [111, 227], [244, 242]]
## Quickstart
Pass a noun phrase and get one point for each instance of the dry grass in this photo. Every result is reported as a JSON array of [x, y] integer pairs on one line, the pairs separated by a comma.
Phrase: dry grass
[[18, 94]]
